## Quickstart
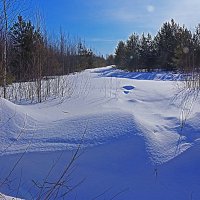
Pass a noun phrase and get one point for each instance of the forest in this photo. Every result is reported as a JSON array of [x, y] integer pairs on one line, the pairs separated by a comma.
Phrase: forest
[[29, 54], [173, 48]]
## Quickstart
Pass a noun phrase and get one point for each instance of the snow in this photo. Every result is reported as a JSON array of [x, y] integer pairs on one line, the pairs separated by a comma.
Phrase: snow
[[164, 76], [4, 197], [128, 125]]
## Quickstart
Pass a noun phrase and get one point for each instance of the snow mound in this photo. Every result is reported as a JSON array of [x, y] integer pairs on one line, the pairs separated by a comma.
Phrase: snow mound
[[20, 131], [107, 110], [129, 129], [158, 76]]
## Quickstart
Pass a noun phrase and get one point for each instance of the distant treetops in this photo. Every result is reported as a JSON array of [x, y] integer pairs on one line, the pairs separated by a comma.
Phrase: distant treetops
[[174, 48]]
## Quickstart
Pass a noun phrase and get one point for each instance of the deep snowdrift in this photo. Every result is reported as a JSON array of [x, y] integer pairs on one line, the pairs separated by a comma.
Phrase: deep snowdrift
[[130, 129]]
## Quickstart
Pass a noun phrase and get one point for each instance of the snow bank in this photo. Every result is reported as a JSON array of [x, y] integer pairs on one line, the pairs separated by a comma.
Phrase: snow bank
[[158, 76], [108, 109], [129, 126]]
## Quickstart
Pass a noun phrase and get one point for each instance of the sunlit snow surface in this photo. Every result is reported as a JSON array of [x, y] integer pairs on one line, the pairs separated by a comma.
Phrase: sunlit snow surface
[[129, 125]]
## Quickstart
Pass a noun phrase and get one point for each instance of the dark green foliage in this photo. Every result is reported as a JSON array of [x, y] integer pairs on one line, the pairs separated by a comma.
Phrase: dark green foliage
[[110, 60], [184, 50], [147, 52], [25, 42], [196, 49], [120, 55], [166, 42], [32, 56], [174, 48], [133, 52]]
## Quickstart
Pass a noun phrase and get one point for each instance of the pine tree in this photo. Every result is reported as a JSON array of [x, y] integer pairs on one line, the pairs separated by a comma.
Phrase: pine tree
[[25, 42], [120, 55], [196, 53], [147, 52], [166, 42], [132, 52], [183, 55]]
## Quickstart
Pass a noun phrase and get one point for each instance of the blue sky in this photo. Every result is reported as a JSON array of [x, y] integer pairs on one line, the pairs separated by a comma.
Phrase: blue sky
[[102, 23]]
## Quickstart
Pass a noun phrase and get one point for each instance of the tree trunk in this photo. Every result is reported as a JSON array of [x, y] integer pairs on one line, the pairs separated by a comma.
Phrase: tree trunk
[[5, 48]]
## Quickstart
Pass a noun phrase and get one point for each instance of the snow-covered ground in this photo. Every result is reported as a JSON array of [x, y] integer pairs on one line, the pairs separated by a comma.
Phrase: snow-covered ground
[[128, 125]]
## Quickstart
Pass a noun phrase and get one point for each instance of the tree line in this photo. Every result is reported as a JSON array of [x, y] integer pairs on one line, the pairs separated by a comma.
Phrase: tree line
[[28, 53], [31, 55], [173, 48]]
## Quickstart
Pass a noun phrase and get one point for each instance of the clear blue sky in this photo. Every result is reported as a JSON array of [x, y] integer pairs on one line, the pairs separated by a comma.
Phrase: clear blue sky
[[102, 23]]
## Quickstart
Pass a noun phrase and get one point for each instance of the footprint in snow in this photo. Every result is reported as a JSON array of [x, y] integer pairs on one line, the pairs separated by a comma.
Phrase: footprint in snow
[[126, 92], [128, 88]]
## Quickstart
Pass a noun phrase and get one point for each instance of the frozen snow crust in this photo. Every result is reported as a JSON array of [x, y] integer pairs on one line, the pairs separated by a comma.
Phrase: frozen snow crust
[[130, 131], [109, 109]]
